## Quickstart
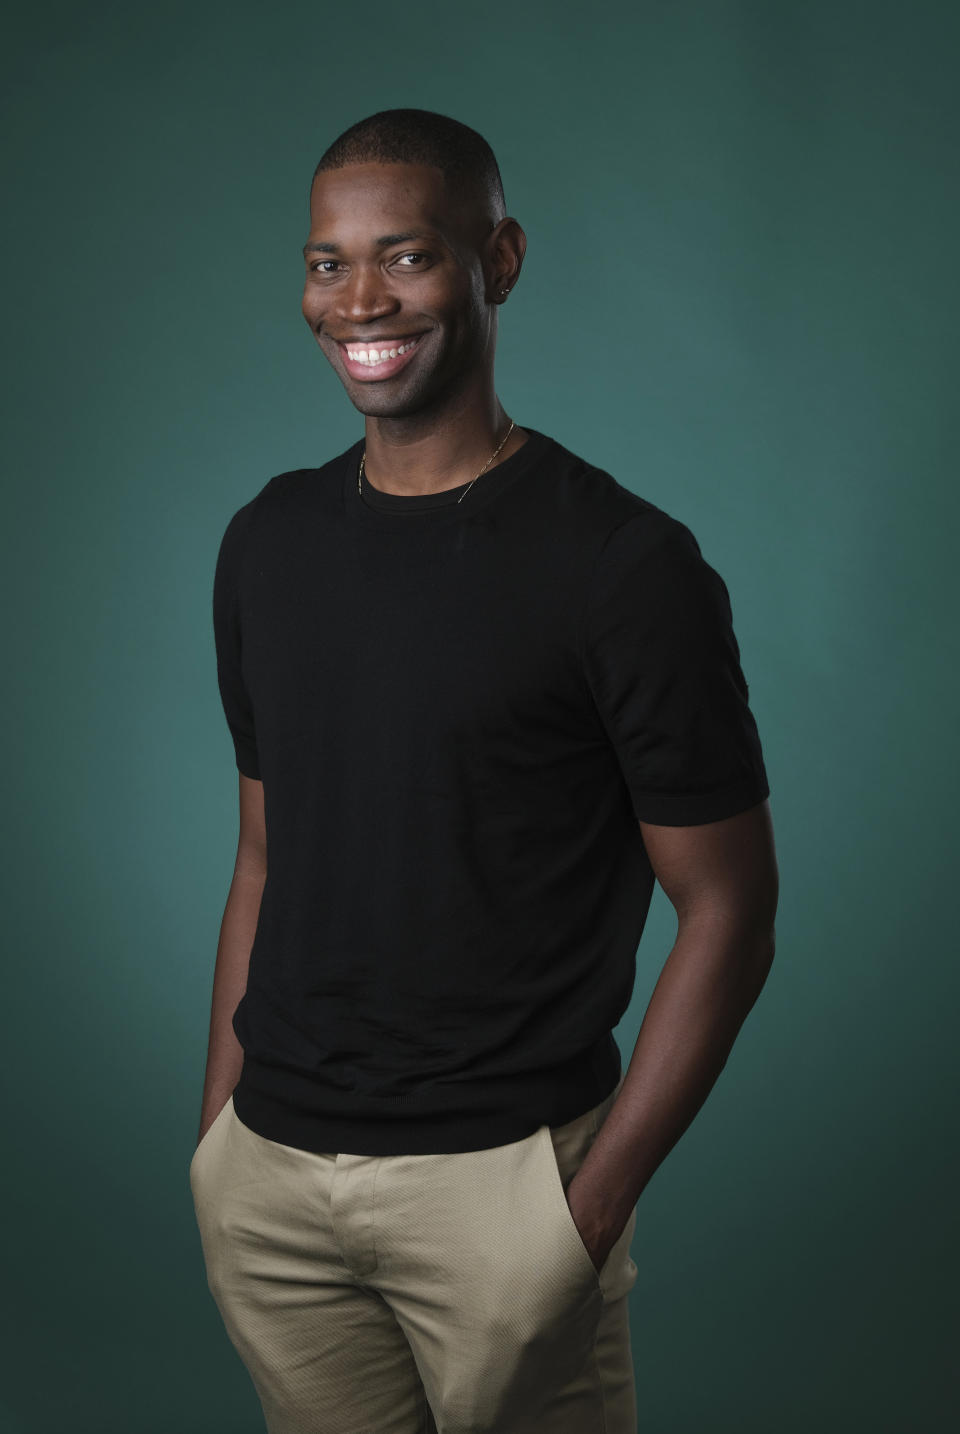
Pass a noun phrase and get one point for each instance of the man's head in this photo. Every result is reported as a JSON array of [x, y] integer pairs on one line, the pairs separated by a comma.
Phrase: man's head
[[409, 242], [468, 165]]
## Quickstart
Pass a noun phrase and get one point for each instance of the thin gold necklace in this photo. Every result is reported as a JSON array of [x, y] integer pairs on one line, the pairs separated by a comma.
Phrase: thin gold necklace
[[472, 480]]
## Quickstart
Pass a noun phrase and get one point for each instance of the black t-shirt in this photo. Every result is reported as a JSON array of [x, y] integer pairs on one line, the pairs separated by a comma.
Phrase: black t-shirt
[[459, 711]]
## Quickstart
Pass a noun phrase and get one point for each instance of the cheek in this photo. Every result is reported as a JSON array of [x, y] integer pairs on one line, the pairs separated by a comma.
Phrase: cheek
[[464, 316], [309, 305]]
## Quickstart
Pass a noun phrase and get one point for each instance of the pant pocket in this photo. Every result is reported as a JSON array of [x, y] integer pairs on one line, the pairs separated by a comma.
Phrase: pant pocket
[[563, 1151], [208, 1138], [565, 1148]]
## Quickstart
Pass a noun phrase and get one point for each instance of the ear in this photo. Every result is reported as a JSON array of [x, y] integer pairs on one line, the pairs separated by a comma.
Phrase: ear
[[505, 247]]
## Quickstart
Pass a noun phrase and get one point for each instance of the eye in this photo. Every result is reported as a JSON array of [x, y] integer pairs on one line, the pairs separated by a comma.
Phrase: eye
[[414, 256], [318, 265]]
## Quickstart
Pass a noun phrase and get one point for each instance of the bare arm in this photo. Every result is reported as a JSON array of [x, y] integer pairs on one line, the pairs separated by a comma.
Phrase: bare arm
[[237, 930], [722, 880]]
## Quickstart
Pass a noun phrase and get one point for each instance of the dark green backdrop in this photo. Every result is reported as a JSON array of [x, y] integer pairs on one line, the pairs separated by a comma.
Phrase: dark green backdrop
[[739, 297]]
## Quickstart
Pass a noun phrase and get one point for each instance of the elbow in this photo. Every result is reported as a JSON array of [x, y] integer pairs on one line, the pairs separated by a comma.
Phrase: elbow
[[768, 945], [762, 953]]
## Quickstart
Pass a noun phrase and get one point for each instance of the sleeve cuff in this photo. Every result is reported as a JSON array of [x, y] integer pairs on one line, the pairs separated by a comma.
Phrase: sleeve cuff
[[247, 763], [688, 809]]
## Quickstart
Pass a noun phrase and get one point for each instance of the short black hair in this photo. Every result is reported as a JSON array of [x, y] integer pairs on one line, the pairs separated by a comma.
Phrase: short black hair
[[408, 136]]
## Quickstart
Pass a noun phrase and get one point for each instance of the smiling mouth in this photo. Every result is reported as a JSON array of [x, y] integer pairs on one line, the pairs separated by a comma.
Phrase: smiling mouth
[[381, 360]]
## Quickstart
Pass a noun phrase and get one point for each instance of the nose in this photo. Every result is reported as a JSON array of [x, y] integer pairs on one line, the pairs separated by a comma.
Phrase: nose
[[364, 296]]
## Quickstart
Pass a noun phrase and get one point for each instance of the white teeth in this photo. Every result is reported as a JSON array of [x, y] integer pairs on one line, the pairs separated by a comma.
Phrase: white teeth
[[373, 356]]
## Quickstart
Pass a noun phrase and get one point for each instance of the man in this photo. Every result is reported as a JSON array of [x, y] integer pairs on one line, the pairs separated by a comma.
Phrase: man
[[481, 695]]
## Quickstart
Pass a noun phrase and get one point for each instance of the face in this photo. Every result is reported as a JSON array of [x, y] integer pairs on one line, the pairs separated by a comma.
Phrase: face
[[399, 285]]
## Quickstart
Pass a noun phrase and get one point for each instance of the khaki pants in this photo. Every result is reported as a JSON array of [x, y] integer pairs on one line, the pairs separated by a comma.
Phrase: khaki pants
[[417, 1294]]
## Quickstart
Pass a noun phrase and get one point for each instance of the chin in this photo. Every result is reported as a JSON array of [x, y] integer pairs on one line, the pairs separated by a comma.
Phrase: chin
[[373, 405]]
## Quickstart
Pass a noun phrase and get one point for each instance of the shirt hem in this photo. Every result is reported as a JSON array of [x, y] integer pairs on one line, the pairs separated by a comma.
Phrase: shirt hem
[[291, 1108]]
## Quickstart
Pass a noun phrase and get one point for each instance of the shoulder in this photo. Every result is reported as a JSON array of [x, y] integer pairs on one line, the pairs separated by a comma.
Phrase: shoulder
[[614, 519], [286, 498]]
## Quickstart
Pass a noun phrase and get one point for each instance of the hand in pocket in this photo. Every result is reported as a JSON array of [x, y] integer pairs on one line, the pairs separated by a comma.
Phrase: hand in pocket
[[591, 1217]]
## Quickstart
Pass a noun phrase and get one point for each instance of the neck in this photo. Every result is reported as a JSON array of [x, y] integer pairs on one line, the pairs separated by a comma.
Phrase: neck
[[432, 453]]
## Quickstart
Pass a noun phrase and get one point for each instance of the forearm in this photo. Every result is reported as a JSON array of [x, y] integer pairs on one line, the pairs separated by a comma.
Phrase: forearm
[[709, 982], [224, 1052]]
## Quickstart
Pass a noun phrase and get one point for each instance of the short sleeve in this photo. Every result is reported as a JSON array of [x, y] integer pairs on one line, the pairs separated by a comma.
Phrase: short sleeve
[[228, 640], [663, 665]]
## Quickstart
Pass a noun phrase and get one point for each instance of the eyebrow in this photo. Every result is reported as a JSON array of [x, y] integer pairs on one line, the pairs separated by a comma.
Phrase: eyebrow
[[384, 242]]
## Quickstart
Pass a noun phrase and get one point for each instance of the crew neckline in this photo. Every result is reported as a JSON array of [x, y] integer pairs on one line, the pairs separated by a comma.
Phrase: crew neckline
[[405, 512]]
